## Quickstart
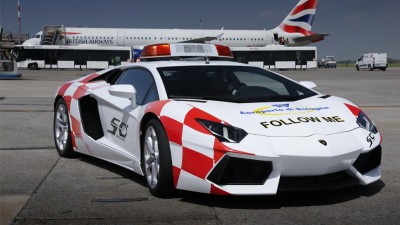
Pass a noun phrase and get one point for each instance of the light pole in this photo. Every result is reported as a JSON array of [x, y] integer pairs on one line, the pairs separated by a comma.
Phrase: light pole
[[19, 22]]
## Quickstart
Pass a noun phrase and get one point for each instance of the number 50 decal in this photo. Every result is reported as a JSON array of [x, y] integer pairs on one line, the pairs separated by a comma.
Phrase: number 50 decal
[[119, 126], [370, 139]]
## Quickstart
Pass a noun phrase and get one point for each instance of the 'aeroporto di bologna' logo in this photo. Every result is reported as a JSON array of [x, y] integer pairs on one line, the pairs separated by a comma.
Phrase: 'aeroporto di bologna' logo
[[282, 109]]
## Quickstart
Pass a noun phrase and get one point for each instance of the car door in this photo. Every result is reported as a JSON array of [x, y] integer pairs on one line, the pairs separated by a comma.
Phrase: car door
[[361, 63], [120, 121]]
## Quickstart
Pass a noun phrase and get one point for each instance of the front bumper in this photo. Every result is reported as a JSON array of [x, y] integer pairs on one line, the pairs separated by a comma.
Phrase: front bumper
[[364, 170], [261, 165]]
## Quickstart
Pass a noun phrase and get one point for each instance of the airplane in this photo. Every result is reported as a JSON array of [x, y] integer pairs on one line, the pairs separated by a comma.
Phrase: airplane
[[295, 30]]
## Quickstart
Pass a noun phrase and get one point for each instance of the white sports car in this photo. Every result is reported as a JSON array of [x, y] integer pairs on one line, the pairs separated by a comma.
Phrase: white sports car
[[217, 127]]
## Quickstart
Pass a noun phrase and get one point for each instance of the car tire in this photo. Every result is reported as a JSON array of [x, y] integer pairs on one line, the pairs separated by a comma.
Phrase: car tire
[[62, 130], [358, 68], [156, 159], [369, 68], [383, 69]]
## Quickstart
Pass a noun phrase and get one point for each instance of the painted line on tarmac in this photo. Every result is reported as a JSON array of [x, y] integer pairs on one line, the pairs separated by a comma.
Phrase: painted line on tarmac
[[380, 107], [26, 110], [137, 199], [29, 148]]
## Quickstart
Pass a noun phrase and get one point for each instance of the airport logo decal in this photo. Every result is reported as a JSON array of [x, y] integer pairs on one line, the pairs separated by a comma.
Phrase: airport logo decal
[[282, 109]]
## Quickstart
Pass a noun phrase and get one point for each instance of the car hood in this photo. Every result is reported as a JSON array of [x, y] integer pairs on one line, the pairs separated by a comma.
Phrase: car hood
[[314, 115]]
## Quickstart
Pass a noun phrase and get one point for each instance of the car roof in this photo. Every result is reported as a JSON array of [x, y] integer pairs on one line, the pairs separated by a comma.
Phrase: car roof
[[157, 64]]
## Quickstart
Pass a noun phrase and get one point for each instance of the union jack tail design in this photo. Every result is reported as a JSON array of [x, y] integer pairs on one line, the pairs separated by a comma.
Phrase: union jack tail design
[[300, 19]]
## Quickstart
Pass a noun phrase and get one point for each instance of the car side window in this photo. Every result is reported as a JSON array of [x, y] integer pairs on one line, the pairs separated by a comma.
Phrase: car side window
[[142, 80]]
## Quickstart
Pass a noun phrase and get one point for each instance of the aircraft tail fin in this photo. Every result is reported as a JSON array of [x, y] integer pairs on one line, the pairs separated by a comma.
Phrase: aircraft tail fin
[[301, 18]]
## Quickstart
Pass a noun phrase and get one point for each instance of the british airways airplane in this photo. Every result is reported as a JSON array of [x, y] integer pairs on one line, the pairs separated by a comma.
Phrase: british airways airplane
[[295, 30]]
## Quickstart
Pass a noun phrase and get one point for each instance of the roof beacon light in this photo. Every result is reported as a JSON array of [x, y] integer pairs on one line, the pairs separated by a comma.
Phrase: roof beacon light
[[185, 50], [156, 50], [224, 51]]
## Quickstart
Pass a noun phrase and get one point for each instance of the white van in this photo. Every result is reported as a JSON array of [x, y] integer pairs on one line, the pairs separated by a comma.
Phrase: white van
[[372, 61]]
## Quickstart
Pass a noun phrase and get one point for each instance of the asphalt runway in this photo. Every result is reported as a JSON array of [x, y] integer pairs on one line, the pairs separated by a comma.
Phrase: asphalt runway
[[39, 187]]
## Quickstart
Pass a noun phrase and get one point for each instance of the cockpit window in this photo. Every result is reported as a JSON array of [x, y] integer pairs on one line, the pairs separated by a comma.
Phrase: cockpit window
[[230, 83]]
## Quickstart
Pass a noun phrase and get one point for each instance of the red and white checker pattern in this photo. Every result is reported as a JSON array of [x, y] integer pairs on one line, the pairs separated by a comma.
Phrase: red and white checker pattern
[[71, 92], [194, 150]]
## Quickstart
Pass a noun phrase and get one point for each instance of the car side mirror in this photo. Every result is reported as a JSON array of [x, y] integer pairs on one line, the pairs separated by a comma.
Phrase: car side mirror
[[308, 84], [124, 91]]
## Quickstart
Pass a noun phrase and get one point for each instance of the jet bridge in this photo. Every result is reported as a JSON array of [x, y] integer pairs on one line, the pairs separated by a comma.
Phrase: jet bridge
[[53, 35]]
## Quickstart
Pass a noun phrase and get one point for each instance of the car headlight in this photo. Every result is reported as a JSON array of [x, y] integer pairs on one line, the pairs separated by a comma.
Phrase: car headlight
[[364, 122], [223, 132]]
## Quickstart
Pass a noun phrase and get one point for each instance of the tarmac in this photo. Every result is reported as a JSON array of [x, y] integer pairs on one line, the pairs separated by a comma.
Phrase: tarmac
[[39, 187]]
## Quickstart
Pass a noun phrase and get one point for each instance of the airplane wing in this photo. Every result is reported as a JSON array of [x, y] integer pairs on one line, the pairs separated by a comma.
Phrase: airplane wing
[[203, 39], [309, 39]]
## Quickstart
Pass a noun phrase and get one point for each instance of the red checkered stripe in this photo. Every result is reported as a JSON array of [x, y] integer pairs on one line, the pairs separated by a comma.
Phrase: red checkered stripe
[[353, 109], [71, 92], [194, 150]]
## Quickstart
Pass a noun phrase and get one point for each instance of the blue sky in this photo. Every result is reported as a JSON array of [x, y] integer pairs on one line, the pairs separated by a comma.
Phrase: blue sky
[[355, 26]]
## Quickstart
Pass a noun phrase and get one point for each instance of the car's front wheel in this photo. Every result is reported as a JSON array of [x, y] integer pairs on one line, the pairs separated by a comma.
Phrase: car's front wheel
[[156, 159], [62, 131]]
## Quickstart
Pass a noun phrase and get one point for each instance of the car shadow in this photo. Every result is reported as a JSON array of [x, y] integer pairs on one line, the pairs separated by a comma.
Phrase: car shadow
[[286, 199], [118, 170], [282, 199]]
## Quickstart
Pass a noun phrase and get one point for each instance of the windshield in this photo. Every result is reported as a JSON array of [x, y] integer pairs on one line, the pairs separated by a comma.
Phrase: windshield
[[230, 83], [330, 58]]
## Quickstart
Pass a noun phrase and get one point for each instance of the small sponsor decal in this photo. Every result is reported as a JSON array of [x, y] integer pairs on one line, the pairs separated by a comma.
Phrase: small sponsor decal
[[292, 121], [119, 126], [282, 109]]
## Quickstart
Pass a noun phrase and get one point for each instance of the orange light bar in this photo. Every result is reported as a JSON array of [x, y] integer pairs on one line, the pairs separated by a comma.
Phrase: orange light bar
[[156, 50], [224, 51]]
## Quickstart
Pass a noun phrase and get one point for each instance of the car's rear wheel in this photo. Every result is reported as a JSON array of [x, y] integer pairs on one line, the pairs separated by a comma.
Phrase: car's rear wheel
[[358, 68], [369, 68], [62, 131], [156, 159]]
